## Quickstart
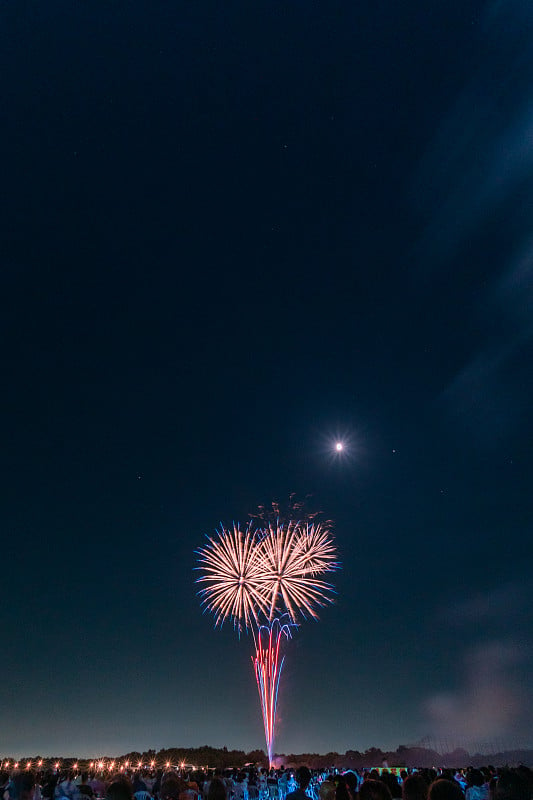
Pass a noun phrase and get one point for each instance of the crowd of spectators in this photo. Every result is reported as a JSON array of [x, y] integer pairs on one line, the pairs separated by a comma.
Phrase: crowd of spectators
[[283, 784]]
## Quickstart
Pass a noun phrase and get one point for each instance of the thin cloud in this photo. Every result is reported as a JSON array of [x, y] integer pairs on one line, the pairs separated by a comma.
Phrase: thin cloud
[[506, 603], [491, 703], [491, 401], [474, 181], [493, 697], [482, 151]]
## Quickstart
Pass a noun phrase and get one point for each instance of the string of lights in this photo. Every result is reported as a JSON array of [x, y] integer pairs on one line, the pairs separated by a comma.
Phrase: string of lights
[[103, 765]]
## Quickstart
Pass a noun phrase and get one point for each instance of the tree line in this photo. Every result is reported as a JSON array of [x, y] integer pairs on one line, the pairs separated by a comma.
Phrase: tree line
[[222, 758]]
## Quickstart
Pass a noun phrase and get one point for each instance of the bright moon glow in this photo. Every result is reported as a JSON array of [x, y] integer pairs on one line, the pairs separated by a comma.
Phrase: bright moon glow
[[339, 447]]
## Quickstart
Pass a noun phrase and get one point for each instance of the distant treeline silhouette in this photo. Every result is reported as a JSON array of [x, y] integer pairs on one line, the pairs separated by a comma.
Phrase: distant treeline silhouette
[[222, 758]]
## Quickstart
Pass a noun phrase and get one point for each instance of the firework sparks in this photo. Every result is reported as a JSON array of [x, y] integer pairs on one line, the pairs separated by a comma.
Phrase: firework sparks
[[291, 557], [256, 577], [318, 549], [234, 584]]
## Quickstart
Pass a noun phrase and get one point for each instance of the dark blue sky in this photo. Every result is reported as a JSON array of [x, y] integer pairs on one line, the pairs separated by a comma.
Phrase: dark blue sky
[[230, 233]]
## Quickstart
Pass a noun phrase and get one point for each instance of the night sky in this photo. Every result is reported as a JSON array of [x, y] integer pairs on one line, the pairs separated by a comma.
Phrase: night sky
[[233, 232]]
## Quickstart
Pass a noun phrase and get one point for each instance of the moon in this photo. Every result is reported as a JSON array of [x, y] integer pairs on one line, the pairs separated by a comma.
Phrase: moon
[[339, 447]]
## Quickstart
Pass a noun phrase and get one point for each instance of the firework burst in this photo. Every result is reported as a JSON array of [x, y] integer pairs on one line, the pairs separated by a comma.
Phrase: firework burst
[[291, 557], [259, 576], [233, 577]]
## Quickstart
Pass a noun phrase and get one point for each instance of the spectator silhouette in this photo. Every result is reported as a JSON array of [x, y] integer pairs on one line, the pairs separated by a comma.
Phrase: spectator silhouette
[[510, 785], [119, 789], [23, 785], [303, 778], [444, 789], [217, 790], [372, 789], [414, 788]]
